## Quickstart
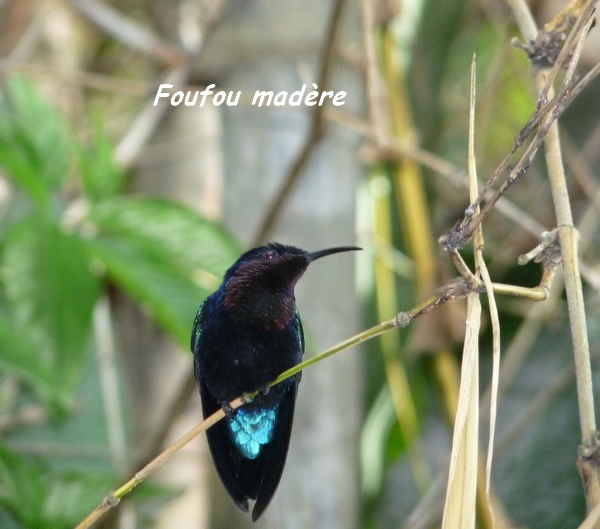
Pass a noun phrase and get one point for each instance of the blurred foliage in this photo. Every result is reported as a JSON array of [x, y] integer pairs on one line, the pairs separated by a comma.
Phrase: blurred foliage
[[72, 234], [55, 266], [536, 477], [35, 496]]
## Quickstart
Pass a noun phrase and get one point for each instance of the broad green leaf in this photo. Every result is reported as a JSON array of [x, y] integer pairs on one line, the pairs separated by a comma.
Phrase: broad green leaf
[[52, 293], [22, 492], [43, 498], [101, 177], [173, 234], [20, 356], [71, 495], [34, 146], [168, 294], [166, 256]]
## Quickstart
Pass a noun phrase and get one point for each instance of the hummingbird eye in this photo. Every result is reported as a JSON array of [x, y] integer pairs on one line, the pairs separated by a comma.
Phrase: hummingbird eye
[[270, 254]]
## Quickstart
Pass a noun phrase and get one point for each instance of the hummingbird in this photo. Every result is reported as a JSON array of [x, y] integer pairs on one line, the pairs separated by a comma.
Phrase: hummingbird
[[246, 334]]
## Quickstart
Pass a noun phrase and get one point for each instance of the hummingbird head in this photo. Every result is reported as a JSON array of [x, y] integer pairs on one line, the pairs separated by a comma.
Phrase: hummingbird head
[[260, 284]]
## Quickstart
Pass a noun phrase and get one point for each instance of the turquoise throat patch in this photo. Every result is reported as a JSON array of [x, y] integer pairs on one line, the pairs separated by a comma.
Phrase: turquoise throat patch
[[250, 430]]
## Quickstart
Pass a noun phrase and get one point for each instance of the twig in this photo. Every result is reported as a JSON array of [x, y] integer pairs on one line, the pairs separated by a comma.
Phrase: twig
[[463, 231], [113, 499], [92, 80], [129, 32], [396, 149], [375, 86], [146, 123], [568, 245], [456, 289], [542, 120], [588, 453], [315, 134]]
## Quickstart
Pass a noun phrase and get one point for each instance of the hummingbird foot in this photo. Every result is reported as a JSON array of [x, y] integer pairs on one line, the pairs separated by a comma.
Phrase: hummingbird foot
[[230, 413]]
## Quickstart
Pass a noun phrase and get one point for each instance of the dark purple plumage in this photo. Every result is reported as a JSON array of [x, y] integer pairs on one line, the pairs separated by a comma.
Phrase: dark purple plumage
[[244, 336]]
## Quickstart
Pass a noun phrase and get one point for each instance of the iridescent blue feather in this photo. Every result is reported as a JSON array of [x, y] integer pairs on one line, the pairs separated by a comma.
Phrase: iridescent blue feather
[[251, 430]]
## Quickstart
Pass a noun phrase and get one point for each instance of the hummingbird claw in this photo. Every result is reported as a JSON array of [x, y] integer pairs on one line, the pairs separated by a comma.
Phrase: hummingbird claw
[[230, 413]]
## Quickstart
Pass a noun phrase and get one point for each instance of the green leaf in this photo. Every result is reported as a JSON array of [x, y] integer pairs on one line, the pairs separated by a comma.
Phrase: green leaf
[[167, 293], [22, 492], [167, 257], [374, 437], [172, 233], [71, 495], [101, 177], [20, 356], [34, 146], [52, 292], [39, 497]]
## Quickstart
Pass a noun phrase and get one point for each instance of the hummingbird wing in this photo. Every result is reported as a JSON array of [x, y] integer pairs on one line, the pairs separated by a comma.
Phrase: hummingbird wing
[[225, 456], [275, 453], [258, 478], [271, 461]]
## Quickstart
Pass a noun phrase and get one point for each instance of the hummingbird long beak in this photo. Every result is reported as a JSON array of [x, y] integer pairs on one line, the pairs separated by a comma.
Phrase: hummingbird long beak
[[312, 256]]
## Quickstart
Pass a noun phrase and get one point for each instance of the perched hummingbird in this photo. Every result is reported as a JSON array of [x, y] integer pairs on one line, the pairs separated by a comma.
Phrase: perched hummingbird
[[244, 336]]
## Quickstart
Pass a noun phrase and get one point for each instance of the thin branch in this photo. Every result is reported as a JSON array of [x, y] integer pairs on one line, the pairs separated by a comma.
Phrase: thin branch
[[396, 149], [568, 245], [91, 80], [590, 449], [542, 119], [376, 93], [456, 289], [129, 32], [113, 499], [315, 134], [145, 123]]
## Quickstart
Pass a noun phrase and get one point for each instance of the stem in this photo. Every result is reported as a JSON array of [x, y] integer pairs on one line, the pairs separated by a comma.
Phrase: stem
[[568, 239], [112, 500], [450, 292], [350, 342]]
